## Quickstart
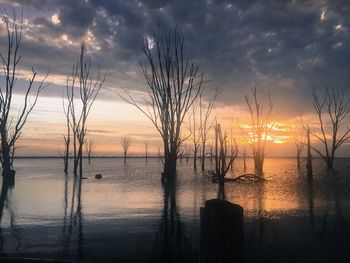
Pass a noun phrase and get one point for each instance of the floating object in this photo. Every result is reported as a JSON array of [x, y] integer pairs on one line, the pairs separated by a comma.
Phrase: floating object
[[98, 176]]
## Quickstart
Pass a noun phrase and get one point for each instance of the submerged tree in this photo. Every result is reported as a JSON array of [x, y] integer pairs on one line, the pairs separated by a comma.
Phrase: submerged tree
[[309, 156], [67, 137], [205, 124], [88, 85], [193, 130], [90, 149], [146, 151], [11, 128], [125, 142], [174, 84], [299, 140], [225, 154], [260, 127], [333, 108]]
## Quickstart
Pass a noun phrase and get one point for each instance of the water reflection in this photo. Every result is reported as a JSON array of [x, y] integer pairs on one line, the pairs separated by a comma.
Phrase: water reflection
[[54, 216], [171, 243], [73, 219], [5, 203]]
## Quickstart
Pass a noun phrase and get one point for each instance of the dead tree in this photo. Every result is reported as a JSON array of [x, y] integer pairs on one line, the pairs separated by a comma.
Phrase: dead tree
[[205, 124], [67, 137], [174, 84], [333, 108], [88, 85], [193, 130], [224, 156], [309, 156], [299, 141], [159, 154], [146, 151], [211, 154], [187, 153], [260, 128], [125, 142], [90, 149], [11, 127], [244, 155]]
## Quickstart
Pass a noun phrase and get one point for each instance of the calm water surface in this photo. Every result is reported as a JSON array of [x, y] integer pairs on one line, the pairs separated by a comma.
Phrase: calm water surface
[[127, 216]]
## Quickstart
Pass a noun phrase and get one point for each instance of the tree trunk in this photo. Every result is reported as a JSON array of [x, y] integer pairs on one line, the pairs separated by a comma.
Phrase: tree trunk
[[298, 160], [80, 162], [169, 172], [6, 158], [258, 165], [195, 160], [309, 156], [203, 157]]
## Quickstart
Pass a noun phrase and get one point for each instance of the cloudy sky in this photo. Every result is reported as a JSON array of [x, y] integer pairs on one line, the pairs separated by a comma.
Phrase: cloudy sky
[[287, 47]]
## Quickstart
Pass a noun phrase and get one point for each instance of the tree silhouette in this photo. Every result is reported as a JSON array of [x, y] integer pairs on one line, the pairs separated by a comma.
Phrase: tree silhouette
[[125, 142], [90, 149], [88, 86], [174, 84], [193, 128], [333, 108], [260, 127], [205, 124], [11, 127], [146, 151], [299, 140]]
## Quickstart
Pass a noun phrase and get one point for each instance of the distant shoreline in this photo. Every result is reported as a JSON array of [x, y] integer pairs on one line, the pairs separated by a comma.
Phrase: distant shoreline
[[152, 157]]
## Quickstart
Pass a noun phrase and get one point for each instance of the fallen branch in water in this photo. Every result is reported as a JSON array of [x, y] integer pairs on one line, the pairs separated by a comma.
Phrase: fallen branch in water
[[242, 178]]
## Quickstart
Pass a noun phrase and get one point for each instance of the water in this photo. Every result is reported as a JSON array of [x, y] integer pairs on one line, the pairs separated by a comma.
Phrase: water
[[127, 216]]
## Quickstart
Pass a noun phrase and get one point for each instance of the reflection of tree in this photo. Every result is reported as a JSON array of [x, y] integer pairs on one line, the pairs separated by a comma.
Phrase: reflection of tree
[[72, 220], [171, 244], [5, 195], [258, 229], [310, 187]]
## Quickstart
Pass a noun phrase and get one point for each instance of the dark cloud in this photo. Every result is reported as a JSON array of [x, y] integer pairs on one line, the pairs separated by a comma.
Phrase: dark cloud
[[285, 46]]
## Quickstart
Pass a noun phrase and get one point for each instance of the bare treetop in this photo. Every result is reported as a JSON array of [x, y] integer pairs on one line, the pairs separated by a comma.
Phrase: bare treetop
[[174, 83], [332, 111], [10, 126]]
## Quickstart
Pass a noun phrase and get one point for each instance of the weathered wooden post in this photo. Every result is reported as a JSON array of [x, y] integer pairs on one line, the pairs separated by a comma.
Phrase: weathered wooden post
[[221, 232]]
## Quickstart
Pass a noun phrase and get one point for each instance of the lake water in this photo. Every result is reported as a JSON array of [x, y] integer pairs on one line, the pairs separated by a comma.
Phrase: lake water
[[125, 217]]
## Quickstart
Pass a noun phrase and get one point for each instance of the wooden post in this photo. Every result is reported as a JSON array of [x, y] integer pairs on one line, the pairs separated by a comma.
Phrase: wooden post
[[221, 232]]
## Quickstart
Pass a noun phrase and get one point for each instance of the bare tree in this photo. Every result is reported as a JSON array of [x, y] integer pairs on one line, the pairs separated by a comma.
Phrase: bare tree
[[125, 142], [205, 124], [211, 152], [146, 151], [174, 84], [193, 130], [260, 127], [244, 155], [67, 137], [11, 127], [88, 85], [90, 149], [223, 151], [159, 154], [333, 108], [309, 156], [299, 140]]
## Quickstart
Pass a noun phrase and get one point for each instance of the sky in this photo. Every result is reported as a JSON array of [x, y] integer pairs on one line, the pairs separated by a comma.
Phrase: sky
[[286, 47]]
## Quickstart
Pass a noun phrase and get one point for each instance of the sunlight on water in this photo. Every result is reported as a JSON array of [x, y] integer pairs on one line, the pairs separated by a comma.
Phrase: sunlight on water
[[125, 209]]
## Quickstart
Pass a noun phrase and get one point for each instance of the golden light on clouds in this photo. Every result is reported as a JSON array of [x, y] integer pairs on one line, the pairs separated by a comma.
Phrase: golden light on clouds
[[55, 19]]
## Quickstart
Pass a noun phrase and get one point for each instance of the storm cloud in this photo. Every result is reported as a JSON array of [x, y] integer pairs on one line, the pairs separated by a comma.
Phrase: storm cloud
[[287, 47]]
